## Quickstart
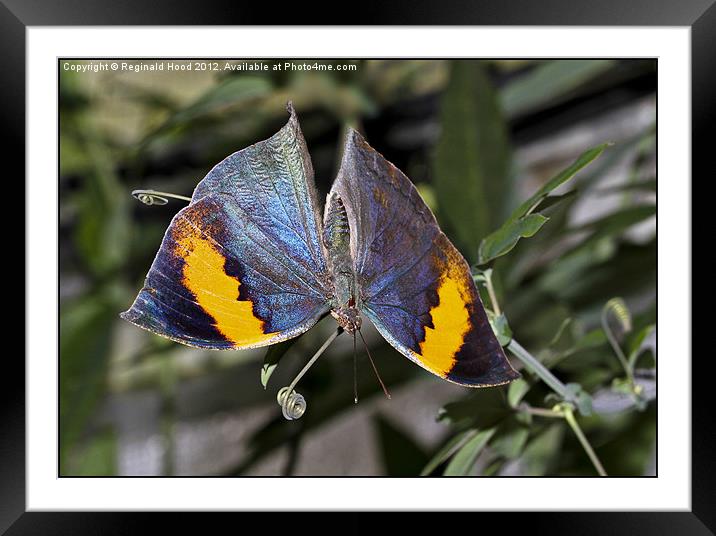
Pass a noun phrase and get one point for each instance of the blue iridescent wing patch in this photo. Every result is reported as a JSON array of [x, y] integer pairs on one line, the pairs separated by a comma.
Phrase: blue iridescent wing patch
[[242, 266], [414, 285]]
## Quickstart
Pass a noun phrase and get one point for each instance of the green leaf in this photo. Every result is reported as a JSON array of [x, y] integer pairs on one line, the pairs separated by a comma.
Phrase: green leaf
[[480, 276], [616, 222], [232, 91], [452, 446], [635, 343], [560, 178], [510, 439], [564, 274], [554, 200], [500, 327], [522, 223], [548, 82], [635, 393], [581, 398], [507, 236], [494, 467], [272, 357], [542, 452], [629, 270], [648, 185], [472, 160], [483, 409], [516, 391], [593, 267], [464, 460]]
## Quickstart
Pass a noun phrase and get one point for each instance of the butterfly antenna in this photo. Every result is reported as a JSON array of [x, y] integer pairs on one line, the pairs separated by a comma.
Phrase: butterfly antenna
[[387, 394], [355, 371]]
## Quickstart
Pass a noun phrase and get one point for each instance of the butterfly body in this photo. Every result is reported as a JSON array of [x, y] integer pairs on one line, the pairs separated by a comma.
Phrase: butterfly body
[[336, 240], [251, 263]]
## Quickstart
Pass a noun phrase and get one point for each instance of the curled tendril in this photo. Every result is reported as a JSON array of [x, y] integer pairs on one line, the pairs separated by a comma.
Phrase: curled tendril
[[293, 405], [152, 197], [620, 311]]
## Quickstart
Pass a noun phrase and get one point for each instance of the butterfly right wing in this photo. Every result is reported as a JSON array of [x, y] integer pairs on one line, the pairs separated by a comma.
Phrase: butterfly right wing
[[415, 286]]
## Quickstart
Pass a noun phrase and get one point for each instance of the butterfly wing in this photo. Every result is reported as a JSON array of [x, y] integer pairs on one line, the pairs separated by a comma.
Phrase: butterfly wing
[[241, 266], [414, 285]]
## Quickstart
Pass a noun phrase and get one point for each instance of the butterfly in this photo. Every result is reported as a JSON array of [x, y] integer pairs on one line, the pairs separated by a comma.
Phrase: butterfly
[[250, 262]]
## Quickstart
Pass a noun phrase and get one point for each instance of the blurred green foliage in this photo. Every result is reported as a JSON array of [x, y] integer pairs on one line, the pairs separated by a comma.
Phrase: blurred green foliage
[[472, 158], [453, 127]]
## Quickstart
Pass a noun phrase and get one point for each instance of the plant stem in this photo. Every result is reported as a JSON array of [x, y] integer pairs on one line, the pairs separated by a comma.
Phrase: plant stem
[[539, 369], [564, 410], [541, 412], [569, 417], [491, 292]]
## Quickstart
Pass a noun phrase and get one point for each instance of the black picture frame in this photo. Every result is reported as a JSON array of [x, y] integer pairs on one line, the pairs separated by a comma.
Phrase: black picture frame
[[699, 15]]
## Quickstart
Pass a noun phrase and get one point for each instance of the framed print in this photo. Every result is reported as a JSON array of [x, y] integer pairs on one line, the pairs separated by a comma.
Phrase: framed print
[[420, 273]]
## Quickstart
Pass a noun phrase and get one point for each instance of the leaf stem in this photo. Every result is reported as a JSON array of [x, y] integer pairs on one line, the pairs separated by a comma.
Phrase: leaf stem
[[569, 417], [491, 292], [541, 412], [565, 411], [540, 370]]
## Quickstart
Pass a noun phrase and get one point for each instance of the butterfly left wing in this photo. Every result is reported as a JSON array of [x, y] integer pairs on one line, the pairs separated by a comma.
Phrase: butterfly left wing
[[242, 266], [415, 286]]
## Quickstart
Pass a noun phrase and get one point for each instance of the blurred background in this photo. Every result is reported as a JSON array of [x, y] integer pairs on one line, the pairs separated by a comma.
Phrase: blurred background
[[477, 138]]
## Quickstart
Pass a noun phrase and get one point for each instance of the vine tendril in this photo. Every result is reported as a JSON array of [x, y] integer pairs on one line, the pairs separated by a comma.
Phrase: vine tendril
[[618, 308], [621, 312]]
